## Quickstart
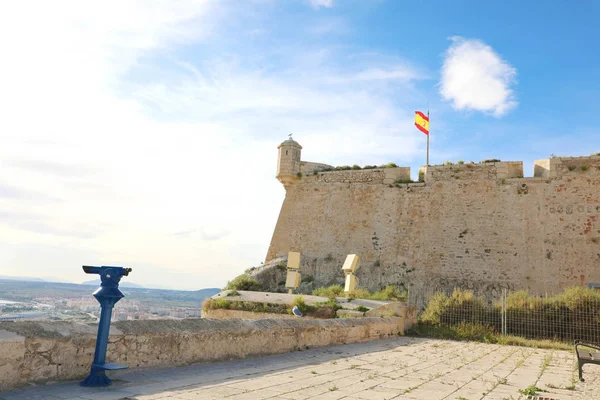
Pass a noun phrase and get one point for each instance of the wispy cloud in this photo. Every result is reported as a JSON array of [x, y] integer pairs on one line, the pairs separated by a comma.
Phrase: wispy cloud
[[475, 77], [321, 3], [41, 224], [163, 155], [53, 168], [330, 26]]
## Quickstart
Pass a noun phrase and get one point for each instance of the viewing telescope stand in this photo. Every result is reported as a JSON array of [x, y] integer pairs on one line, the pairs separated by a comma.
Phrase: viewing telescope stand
[[107, 295]]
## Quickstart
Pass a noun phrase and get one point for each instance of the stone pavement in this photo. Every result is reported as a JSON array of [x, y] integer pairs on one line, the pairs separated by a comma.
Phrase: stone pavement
[[399, 368]]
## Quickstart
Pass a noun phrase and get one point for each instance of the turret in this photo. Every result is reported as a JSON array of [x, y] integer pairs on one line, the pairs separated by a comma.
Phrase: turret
[[288, 163]]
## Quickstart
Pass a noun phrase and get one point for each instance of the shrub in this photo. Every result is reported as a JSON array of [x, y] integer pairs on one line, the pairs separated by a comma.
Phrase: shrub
[[397, 181], [389, 165], [572, 314], [490, 160], [461, 306], [460, 162], [302, 306], [244, 282], [448, 163], [343, 168], [435, 307], [356, 166], [324, 309], [233, 293], [214, 304], [299, 174], [331, 291], [370, 167], [308, 279], [584, 168], [281, 267], [390, 292], [359, 294], [362, 309]]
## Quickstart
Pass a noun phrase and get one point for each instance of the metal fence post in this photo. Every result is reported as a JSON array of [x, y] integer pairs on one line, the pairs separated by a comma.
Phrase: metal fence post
[[504, 311]]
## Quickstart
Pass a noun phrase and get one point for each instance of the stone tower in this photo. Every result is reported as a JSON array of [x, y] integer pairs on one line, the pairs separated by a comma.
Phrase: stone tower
[[288, 163]]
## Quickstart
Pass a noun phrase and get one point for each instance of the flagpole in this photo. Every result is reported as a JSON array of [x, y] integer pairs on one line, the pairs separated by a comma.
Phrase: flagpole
[[428, 137]]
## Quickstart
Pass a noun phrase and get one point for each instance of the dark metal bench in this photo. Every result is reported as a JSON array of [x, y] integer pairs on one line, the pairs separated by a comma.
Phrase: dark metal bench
[[586, 356]]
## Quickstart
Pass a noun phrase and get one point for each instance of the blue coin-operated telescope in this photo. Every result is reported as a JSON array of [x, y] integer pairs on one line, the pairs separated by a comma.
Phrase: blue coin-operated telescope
[[107, 295]]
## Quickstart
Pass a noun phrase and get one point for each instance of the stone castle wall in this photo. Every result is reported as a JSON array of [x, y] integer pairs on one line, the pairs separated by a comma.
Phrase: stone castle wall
[[471, 225]]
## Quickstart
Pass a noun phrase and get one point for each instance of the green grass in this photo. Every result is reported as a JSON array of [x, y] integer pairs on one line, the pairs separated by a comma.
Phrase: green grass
[[323, 309], [233, 293], [573, 305], [330, 291], [223, 304], [389, 165], [244, 282], [531, 390], [390, 292], [490, 160], [481, 333]]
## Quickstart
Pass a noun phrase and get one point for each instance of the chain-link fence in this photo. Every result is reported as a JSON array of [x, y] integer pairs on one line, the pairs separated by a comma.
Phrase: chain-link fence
[[567, 316]]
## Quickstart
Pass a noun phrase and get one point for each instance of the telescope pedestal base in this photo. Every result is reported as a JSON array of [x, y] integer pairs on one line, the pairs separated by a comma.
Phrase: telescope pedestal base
[[98, 376], [97, 379]]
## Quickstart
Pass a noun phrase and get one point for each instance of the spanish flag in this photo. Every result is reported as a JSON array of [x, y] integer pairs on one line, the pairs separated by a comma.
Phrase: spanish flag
[[422, 122]]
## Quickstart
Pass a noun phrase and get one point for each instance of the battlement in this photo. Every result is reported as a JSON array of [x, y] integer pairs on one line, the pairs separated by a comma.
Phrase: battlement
[[557, 167], [373, 176], [488, 170], [291, 169]]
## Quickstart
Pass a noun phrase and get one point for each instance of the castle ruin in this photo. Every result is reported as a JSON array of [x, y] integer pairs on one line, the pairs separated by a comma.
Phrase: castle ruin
[[478, 226]]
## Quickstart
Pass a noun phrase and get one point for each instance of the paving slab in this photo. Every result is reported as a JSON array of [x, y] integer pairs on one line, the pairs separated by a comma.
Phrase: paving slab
[[398, 368]]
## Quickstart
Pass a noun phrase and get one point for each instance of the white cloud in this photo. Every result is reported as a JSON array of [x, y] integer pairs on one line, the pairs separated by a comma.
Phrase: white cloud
[[116, 150], [475, 77], [321, 3], [397, 73]]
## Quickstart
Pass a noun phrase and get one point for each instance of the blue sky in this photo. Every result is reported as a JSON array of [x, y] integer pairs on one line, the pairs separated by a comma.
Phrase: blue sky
[[145, 133]]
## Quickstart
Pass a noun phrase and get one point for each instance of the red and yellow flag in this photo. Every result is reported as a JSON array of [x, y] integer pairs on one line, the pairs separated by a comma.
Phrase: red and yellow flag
[[422, 122]]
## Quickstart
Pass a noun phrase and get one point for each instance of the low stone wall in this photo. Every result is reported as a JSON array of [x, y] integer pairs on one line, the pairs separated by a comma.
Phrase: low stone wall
[[40, 351]]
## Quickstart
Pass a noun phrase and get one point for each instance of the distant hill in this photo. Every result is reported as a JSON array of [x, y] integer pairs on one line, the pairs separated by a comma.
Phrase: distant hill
[[208, 292], [21, 278], [96, 282]]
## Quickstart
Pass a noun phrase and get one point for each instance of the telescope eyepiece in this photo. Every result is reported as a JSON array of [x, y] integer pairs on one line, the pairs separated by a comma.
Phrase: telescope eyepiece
[[88, 269]]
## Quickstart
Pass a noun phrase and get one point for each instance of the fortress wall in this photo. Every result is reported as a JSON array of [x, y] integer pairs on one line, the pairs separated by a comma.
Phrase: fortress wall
[[465, 227], [42, 351], [557, 167], [514, 169], [460, 171], [374, 176], [309, 167], [352, 176], [490, 171]]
